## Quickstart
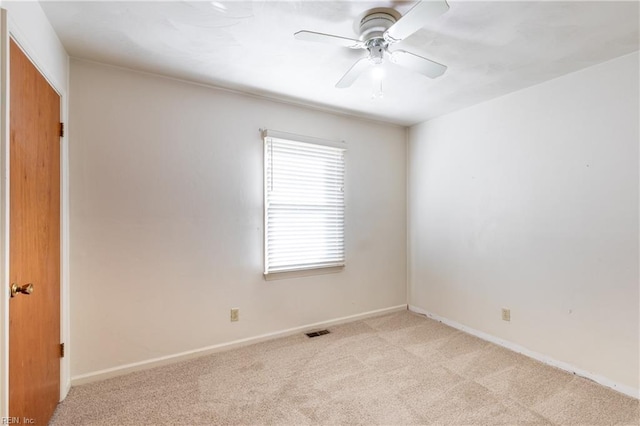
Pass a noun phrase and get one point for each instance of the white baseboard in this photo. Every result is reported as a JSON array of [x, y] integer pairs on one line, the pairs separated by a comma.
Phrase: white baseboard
[[627, 390], [183, 356]]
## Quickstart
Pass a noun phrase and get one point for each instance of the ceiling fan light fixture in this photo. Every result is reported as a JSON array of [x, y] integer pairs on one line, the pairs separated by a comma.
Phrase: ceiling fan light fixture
[[376, 48], [377, 73]]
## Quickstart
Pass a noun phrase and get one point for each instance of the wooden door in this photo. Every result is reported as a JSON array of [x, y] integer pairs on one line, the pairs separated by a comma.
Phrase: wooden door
[[34, 246]]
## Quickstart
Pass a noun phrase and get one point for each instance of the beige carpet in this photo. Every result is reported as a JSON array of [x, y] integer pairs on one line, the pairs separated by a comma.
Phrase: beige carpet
[[395, 369]]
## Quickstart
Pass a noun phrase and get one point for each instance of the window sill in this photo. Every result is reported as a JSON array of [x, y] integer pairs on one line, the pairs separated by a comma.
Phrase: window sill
[[282, 275]]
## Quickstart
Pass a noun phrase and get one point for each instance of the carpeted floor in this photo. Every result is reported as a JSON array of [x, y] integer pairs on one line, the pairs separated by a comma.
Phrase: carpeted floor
[[395, 369]]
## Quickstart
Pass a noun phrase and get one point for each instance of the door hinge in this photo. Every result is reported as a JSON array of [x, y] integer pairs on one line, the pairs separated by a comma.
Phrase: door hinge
[[61, 350], [61, 130]]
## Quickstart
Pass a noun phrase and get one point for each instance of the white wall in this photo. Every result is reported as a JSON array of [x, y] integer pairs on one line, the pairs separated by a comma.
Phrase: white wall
[[166, 213], [530, 202], [30, 28]]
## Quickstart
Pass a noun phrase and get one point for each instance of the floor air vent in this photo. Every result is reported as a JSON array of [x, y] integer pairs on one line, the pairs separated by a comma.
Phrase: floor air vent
[[318, 333]]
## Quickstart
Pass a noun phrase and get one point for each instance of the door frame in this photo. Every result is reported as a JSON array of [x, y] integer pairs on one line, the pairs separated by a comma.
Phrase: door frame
[[9, 30]]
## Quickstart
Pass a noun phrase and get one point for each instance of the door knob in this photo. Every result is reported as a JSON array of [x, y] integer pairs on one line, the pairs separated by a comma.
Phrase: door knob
[[24, 289]]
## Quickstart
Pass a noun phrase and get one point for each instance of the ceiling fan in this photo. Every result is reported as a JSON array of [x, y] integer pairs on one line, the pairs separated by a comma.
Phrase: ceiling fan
[[379, 28]]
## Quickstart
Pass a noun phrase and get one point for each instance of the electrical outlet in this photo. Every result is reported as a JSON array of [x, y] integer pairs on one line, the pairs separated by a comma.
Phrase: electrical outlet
[[506, 314], [235, 314]]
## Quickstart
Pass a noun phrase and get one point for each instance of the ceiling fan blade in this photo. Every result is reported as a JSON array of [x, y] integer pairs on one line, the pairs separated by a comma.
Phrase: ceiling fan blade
[[418, 64], [414, 19], [353, 73], [328, 38]]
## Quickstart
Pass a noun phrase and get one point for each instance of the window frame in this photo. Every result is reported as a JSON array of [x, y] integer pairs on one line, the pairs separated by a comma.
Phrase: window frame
[[267, 137]]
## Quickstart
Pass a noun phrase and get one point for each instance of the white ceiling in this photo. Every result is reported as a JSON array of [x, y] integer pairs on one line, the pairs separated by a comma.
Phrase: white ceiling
[[491, 48]]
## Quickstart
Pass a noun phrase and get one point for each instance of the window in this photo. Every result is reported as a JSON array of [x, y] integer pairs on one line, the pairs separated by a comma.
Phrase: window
[[304, 203]]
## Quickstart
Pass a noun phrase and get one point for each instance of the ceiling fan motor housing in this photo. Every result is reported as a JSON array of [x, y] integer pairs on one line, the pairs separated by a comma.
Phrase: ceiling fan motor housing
[[375, 22]]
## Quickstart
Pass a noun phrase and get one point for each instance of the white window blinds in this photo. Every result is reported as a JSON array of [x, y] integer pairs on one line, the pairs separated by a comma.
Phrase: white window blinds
[[304, 204]]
